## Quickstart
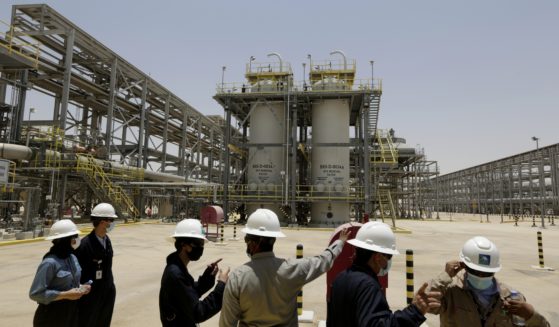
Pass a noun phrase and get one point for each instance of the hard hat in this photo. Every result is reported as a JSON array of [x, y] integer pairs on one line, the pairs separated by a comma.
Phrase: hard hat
[[263, 222], [375, 236], [189, 228], [62, 228], [481, 254], [103, 210]]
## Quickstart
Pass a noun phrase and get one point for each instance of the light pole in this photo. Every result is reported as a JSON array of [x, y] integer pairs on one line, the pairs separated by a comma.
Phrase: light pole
[[537, 143], [222, 77], [252, 58], [304, 80], [372, 74], [541, 180], [31, 111]]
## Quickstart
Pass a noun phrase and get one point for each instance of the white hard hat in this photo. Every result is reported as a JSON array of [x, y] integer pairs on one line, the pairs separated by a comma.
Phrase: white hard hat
[[104, 210], [62, 228], [481, 254], [189, 228], [375, 236], [263, 222]]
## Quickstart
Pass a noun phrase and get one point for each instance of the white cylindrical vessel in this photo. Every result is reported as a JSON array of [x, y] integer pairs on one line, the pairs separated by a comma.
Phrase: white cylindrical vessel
[[330, 157], [265, 163]]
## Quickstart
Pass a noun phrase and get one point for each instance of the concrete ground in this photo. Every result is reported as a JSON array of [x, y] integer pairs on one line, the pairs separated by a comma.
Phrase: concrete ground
[[140, 252]]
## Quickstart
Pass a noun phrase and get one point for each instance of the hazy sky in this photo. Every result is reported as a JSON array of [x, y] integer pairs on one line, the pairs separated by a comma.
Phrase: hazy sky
[[470, 81]]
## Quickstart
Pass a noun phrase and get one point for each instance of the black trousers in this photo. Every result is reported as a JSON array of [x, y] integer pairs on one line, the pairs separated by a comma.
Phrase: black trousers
[[96, 308], [63, 313]]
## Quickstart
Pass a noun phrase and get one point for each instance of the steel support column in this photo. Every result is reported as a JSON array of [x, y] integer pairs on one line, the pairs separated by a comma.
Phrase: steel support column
[[110, 108]]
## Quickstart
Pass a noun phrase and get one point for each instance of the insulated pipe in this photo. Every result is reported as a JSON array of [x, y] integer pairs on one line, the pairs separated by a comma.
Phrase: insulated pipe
[[15, 152], [279, 57], [20, 152], [340, 52]]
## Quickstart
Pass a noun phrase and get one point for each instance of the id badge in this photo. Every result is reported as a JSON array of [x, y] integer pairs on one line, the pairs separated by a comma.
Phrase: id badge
[[99, 274]]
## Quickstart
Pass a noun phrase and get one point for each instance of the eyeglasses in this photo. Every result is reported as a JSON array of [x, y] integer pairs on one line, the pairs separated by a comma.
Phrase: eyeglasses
[[108, 219]]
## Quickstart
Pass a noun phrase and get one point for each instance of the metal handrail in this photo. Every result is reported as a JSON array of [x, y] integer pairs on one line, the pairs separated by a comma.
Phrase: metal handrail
[[277, 192], [239, 88], [97, 175], [25, 49]]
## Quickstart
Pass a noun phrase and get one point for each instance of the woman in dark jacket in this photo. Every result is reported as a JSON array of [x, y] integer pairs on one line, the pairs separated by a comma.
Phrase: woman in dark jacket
[[179, 296], [56, 285]]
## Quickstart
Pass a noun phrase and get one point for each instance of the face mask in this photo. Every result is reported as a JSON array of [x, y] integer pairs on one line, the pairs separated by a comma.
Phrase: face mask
[[479, 283], [196, 253], [76, 243], [250, 252], [111, 226], [384, 271]]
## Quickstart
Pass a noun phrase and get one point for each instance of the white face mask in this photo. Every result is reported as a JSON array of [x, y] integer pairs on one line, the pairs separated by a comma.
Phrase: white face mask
[[384, 271], [111, 226], [479, 283], [76, 243]]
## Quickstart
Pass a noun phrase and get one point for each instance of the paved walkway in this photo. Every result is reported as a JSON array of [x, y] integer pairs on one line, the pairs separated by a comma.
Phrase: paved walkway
[[140, 252]]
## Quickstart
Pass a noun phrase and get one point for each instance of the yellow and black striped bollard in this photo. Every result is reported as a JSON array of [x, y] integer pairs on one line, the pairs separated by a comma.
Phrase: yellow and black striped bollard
[[541, 265], [300, 294], [409, 276], [540, 249]]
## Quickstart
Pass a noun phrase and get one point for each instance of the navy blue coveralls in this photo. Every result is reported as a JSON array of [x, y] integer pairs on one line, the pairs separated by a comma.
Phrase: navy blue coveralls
[[179, 296], [357, 301], [96, 308]]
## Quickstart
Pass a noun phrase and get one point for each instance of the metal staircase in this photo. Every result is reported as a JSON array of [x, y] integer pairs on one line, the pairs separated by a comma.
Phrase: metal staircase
[[104, 189], [374, 108], [385, 205]]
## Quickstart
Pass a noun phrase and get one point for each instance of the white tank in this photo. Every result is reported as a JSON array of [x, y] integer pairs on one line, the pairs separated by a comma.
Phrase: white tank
[[265, 161], [330, 164]]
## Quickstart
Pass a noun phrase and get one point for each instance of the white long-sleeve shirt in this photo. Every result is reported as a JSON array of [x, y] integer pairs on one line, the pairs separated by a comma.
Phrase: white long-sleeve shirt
[[263, 291]]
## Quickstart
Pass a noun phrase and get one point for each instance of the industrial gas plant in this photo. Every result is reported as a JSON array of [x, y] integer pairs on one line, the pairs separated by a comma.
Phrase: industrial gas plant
[[309, 150]]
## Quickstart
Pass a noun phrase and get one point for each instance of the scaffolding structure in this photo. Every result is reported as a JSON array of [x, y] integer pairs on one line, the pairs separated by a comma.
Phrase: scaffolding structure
[[105, 110], [521, 185]]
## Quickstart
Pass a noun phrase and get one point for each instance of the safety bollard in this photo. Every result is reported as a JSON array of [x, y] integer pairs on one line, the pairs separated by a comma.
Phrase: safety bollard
[[533, 221], [540, 249], [299, 255], [409, 276], [234, 238], [540, 254], [222, 233]]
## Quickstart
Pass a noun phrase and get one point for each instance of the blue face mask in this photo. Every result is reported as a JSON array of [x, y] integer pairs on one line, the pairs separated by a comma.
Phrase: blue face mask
[[479, 283], [111, 227]]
